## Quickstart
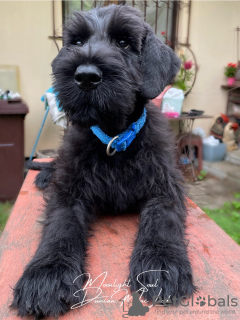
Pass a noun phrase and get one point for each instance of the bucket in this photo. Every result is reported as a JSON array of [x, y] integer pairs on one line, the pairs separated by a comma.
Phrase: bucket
[[47, 153]]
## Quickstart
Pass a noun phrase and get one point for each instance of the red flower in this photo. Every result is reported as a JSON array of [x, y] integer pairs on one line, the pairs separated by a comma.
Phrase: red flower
[[232, 65], [187, 65], [163, 33]]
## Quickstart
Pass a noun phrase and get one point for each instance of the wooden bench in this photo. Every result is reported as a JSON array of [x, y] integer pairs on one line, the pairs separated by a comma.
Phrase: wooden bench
[[214, 255]]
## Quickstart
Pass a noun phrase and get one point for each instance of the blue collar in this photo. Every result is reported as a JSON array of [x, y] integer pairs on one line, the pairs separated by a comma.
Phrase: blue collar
[[123, 140]]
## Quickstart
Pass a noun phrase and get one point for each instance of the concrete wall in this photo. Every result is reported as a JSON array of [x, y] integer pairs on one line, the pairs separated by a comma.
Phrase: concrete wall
[[26, 25], [24, 30]]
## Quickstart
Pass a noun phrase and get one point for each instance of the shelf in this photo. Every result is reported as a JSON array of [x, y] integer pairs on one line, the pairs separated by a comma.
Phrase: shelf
[[233, 116], [234, 101]]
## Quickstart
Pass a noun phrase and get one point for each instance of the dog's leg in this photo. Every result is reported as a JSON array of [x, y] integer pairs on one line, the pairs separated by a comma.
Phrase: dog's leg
[[159, 264], [46, 286], [44, 177]]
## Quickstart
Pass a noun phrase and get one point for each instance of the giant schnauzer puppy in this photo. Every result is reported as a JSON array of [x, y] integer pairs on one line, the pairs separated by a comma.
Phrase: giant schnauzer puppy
[[117, 156]]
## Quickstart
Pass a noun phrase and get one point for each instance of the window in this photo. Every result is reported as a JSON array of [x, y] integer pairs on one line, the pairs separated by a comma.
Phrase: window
[[161, 15]]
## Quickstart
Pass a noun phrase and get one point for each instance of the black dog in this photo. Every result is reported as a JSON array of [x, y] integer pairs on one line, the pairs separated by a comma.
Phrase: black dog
[[111, 64]]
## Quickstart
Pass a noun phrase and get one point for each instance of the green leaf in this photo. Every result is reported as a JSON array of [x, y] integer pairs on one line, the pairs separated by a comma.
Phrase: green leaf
[[236, 204], [228, 218], [5, 209], [203, 173], [235, 216]]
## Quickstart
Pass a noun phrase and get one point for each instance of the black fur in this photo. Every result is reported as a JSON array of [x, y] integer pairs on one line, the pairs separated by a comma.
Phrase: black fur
[[45, 175], [86, 182]]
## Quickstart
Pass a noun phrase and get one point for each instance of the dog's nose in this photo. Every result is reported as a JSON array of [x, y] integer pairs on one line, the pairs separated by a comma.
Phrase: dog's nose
[[88, 77]]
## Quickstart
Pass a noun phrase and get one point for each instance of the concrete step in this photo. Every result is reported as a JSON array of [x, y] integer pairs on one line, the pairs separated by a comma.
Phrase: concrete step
[[233, 157], [223, 170]]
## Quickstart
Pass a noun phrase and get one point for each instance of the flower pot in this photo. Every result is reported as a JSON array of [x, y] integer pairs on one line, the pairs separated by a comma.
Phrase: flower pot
[[172, 102], [231, 81]]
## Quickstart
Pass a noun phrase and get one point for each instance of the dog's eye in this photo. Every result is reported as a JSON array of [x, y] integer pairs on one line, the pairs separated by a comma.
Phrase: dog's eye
[[123, 44], [79, 42]]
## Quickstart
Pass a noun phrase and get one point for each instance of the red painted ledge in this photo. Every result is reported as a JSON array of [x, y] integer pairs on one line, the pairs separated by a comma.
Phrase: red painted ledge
[[214, 255]]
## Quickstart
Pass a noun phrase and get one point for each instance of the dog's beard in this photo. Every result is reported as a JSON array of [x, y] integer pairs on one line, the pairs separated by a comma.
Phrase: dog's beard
[[110, 103]]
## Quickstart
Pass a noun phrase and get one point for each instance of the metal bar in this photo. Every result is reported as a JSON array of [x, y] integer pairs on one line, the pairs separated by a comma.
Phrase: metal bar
[[167, 22], [177, 18], [81, 4], [53, 18], [63, 11], [67, 8], [145, 10], [56, 37], [174, 24], [189, 15], [190, 145], [238, 29], [156, 17]]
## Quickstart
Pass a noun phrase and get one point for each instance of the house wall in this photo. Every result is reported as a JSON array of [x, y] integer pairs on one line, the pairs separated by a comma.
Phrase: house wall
[[24, 30], [214, 43], [26, 25]]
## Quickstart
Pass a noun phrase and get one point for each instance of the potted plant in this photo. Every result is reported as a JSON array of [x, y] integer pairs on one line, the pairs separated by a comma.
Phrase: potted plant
[[185, 74], [173, 98], [230, 72]]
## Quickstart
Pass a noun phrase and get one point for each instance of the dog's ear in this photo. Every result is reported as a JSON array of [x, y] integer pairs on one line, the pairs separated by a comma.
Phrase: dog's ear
[[159, 65]]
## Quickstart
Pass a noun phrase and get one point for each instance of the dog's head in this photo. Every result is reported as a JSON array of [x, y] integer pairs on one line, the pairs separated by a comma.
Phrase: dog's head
[[110, 58]]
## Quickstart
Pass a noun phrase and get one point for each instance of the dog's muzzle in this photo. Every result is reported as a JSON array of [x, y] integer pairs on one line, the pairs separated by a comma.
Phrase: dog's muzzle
[[87, 77]]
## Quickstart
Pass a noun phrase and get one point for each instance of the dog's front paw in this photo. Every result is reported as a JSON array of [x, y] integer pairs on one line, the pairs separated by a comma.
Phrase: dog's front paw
[[46, 291], [43, 179], [155, 273]]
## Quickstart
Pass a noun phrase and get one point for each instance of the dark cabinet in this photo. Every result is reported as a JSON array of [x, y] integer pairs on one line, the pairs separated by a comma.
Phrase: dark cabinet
[[12, 114]]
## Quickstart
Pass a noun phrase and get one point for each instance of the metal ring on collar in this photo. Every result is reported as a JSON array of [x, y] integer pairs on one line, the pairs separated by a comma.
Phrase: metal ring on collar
[[109, 146]]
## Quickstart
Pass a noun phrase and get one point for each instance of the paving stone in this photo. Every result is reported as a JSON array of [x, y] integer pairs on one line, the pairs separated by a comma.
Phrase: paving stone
[[212, 192], [233, 157]]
